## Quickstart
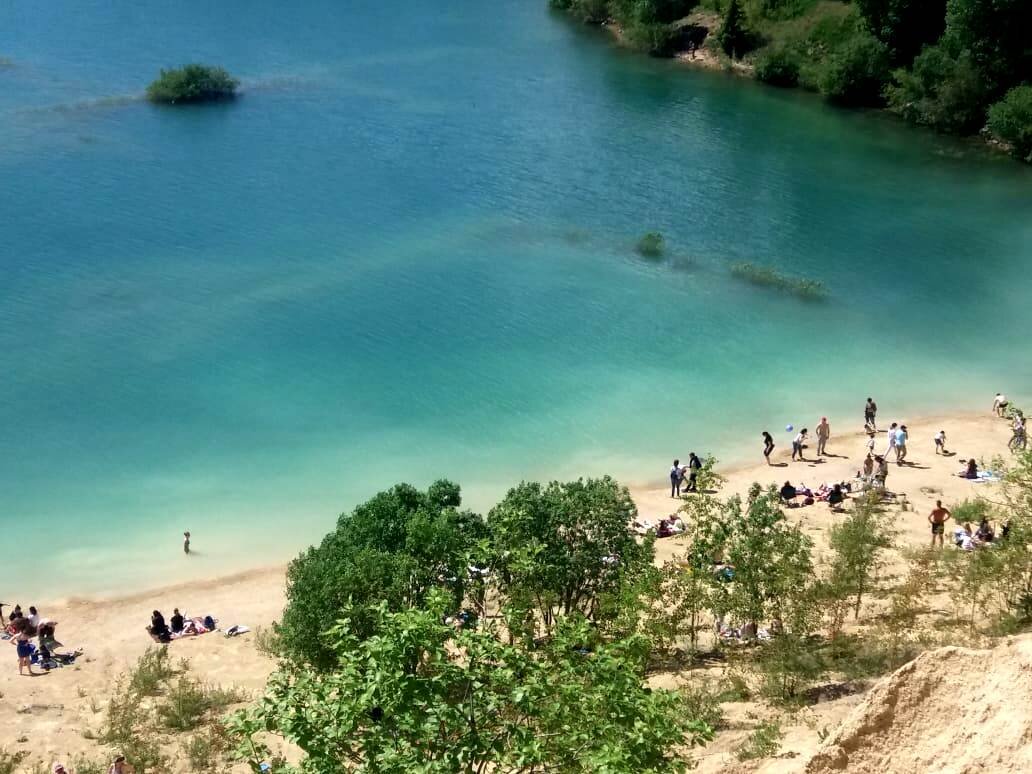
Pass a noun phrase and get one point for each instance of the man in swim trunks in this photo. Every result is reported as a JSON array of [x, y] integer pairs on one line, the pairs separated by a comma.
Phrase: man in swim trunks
[[937, 518], [870, 409], [1000, 404]]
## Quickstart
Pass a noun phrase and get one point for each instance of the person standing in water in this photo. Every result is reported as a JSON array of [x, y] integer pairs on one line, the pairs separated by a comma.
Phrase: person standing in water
[[186, 542], [768, 446], [869, 412], [823, 434]]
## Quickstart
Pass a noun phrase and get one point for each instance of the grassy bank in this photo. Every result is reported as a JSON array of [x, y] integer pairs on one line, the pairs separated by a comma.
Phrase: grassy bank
[[959, 67]]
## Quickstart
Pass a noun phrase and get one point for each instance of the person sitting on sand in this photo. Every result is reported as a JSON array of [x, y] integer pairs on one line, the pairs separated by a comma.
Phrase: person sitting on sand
[[788, 492], [868, 467], [937, 518], [970, 470], [881, 471], [158, 629], [962, 538], [985, 532], [940, 442], [176, 621], [836, 497]]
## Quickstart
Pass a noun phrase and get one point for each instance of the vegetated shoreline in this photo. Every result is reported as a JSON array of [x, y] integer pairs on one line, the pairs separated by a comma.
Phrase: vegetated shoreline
[[704, 58], [111, 630], [649, 495]]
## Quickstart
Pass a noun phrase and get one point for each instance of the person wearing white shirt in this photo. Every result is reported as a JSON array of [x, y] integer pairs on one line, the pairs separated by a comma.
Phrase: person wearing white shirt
[[1000, 404], [797, 445]]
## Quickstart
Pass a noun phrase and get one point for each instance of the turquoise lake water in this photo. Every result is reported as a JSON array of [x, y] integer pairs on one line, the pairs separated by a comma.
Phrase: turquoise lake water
[[406, 252]]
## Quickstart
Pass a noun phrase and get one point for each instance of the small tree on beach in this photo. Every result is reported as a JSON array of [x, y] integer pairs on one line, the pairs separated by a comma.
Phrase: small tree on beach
[[423, 696], [858, 544], [394, 549], [559, 548]]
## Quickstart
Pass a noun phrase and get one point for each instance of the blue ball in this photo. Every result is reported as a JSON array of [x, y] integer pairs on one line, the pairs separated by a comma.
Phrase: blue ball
[[788, 428]]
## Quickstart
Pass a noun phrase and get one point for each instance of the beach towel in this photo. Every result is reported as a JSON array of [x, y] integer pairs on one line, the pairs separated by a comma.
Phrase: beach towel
[[236, 630]]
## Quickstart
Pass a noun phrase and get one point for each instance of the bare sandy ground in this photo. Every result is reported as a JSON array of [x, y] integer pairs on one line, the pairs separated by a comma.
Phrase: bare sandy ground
[[48, 715]]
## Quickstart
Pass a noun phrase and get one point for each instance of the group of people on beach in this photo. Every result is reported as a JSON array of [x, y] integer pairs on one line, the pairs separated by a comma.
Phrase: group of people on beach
[[686, 476], [178, 626], [118, 766], [20, 630]]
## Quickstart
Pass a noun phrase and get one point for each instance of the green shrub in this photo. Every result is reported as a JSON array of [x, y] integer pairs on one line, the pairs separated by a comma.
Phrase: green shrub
[[187, 702], [763, 742], [192, 83], [393, 548], [765, 276], [778, 66], [856, 74], [905, 26], [1010, 121], [9, 762], [83, 765], [943, 90], [151, 672], [651, 245]]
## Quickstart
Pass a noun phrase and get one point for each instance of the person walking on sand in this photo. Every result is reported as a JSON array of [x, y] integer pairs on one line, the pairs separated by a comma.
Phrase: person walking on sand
[[940, 442], [937, 518], [901, 444], [694, 466], [797, 445], [823, 434], [768, 446], [892, 440], [870, 410], [186, 542], [1000, 404], [676, 477]]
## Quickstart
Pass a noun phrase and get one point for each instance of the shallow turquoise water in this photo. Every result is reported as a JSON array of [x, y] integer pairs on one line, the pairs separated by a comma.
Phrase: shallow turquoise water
[[406, 252]]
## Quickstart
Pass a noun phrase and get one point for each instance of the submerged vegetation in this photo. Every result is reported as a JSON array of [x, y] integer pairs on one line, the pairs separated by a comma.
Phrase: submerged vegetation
[[956, 66], [192, 83], [768, 277], [651, 245]]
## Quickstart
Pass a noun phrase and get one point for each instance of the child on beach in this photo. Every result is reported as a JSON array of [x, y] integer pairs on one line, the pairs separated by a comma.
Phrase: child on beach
[[940, 442]]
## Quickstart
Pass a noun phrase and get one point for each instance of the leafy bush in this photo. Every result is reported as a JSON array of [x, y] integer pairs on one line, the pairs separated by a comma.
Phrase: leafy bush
[[651, 245], [905, 26], [393, 548], [192, 83], [151, 672], [995, 34], [405, 701], [858, 543], [9, 762], [735, 37], [765, 276], [778, 66], [559, 548], [943, 90], [763, 742], [187, 702], [1010, 121], [856, 74]]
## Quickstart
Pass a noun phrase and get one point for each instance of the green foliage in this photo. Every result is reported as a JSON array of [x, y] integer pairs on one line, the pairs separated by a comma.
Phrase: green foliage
[[267, 641], [1010, 121], [995, 34], [735, 37], [9, 762], [393, 548], [856, 74], [770, 556], [83, 765], [905, 26], [422, 696], [212, 743], [788, 664], [187, 703], [765, 276], [588, 11], [971, 511], [151, 672], [858, 544], [778, 66], [763, 742], [707, 479], [943, 90], [192, 83], [558, 549], [651, 245]]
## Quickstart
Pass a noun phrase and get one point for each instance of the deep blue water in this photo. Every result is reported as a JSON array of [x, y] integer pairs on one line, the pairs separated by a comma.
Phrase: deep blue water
[[407, 252]]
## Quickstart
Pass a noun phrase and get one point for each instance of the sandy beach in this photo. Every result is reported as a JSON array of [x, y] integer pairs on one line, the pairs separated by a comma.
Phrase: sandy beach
[[51, 716]]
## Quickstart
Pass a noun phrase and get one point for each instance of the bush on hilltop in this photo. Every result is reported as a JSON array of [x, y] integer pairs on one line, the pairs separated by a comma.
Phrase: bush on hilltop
[[192, 83]]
